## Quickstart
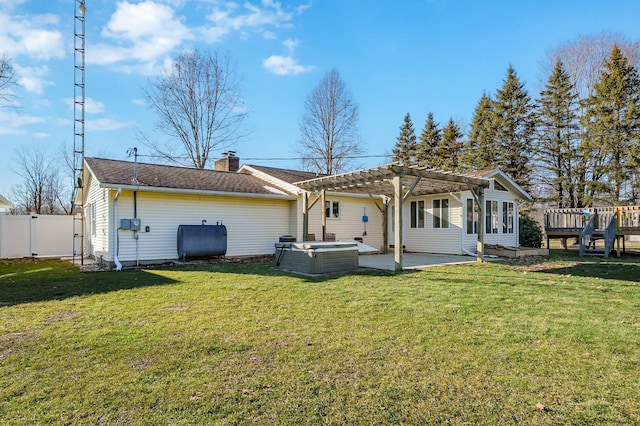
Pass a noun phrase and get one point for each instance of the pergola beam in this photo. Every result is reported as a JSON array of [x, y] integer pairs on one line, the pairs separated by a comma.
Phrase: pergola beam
[[390, 180]]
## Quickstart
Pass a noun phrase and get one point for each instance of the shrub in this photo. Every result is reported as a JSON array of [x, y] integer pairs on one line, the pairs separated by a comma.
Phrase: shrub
[[530, 233]]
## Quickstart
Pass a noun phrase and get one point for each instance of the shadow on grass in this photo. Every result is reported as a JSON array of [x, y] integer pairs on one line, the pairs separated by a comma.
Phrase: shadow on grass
[[27, 281], [603, 270], [268, 269], [569, 262], [34, 280]]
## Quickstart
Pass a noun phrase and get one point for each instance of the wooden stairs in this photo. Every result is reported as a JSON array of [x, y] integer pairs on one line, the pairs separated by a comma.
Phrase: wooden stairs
[[597, 229], [598, 242]]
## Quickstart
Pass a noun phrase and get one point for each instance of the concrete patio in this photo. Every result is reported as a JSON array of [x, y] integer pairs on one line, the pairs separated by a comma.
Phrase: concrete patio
[[412, 260]]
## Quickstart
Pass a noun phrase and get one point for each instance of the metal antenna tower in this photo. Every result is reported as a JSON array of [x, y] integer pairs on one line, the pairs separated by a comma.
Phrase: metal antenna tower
[[78, 129]]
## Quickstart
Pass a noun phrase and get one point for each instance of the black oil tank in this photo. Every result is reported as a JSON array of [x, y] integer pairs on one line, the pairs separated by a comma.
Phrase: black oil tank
[[202, 241]]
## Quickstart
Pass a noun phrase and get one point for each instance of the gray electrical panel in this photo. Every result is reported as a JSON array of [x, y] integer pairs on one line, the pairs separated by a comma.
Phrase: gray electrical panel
[[131, 224]]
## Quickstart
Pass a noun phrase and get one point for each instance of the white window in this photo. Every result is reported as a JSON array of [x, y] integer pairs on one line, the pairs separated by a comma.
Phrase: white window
[[472, 217], [332, 209], [441, 213], [491, 216], [507, 217], [417, 214]]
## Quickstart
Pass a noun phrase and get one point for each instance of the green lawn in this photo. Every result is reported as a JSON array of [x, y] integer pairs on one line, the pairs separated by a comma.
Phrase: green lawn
[[538, 342]]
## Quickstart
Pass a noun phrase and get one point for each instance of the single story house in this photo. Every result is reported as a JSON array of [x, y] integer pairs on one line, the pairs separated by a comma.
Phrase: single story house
[[439, 211]]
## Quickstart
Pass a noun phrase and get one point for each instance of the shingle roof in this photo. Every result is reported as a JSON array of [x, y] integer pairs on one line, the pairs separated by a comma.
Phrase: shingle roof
[[286, 175], [115, 172]]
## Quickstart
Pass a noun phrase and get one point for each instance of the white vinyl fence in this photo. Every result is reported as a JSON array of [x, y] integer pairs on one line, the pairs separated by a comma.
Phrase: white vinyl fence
[[36, 235]]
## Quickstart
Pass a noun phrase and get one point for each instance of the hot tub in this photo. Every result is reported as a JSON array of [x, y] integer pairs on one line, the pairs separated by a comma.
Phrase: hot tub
[[317, 257]]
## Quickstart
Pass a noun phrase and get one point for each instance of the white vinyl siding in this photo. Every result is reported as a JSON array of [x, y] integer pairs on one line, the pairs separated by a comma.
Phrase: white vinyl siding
[[430, 239], [97, 226], [253, 224], [350, 224]]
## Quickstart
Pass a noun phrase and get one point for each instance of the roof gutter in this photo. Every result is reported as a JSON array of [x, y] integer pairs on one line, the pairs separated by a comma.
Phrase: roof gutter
[[197, 192]]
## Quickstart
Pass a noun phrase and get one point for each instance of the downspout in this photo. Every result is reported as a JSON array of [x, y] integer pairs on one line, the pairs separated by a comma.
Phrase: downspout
[[135, 216], [115, 228]]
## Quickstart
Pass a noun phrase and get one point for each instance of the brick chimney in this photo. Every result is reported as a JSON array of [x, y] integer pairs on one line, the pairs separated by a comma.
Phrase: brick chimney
[[228, 163]]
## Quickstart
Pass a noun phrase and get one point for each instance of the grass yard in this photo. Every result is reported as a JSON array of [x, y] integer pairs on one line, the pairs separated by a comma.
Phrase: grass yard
[[552, 341]]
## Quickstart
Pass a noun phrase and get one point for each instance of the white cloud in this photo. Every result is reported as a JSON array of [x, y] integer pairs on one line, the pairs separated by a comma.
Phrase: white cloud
[[91, 106], [138, 102], [40, 135], [284, 65], [13, 123], [30, 37], [143, 32], [10, 4], [32, 78], [291, 44], [229, 17], [106, 124]]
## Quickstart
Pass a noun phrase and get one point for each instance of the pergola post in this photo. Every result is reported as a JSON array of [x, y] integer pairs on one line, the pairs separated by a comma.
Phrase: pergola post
[[481, 220], [305, 215], [397, 225], [323, 209], [385, 226]]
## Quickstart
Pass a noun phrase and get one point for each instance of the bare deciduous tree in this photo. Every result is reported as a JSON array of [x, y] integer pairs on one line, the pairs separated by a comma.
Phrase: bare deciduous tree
[[42, 189], [584, 58], [7, 79], [198, 101], [329, 129]]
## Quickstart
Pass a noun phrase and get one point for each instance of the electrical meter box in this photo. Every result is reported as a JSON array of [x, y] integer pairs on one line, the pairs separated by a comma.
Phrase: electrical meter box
[[131, 224]]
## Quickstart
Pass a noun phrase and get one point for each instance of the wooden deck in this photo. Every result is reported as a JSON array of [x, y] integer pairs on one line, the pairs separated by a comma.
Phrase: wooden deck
[[570, 223]]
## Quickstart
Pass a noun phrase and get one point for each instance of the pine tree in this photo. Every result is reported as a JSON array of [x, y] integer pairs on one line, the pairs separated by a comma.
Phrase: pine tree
[[405, 150], [612, 120], [481, 151], [429, 141], [515, 122], [450, 147], [558, 132]]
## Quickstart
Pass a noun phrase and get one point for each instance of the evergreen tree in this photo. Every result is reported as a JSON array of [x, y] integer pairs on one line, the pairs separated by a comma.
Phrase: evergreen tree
[[558, 132], [612, 120], [450, 147], [405, 150], [515, 122], [429, 141], [481, 151]]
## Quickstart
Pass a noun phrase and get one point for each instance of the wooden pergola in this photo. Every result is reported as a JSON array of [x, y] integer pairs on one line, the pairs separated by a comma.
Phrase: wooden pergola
[[394, 182]]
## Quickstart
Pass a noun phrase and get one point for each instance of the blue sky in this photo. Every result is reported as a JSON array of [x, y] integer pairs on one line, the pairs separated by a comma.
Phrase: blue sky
[[417, 56]]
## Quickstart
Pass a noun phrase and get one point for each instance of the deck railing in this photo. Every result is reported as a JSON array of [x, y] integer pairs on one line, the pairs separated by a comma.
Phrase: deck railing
[[565, 218], [628, 217], [576, 219]]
